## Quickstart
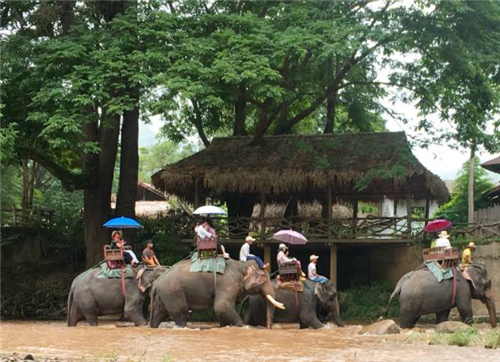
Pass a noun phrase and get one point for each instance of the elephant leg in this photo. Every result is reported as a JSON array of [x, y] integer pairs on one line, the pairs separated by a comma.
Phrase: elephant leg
[[309, 318], [226, 314], [465, 310], [134, 314], [91, 317], [158, 315], [442, 316], [408, 318], [74, 316], [177, 308]]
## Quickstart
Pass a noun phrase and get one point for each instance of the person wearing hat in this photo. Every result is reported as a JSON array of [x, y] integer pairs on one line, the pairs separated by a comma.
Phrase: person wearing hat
[[467, 254], [442, 241], [148, 255], [245, 253], [311, 271], [282, 257]]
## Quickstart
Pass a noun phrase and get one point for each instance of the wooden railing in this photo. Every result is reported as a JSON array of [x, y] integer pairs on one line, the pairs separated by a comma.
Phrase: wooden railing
[[313, 228], [27, 217]]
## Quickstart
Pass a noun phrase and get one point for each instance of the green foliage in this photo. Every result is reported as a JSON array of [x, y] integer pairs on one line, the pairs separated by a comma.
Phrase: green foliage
[[163, 153], [492, 339], [456, 209], [367, 303]]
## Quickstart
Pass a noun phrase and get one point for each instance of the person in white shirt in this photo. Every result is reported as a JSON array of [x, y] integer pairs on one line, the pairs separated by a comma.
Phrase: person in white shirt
[[311, 271], [245, 253], [443, 241]]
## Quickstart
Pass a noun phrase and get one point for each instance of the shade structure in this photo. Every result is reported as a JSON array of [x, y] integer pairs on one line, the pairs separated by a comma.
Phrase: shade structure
[[209, 210], [290, 237], [122, 223], [437, 225]]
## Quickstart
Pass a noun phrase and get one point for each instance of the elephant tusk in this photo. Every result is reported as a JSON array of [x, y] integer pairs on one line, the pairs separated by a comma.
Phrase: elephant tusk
[[274, 302]]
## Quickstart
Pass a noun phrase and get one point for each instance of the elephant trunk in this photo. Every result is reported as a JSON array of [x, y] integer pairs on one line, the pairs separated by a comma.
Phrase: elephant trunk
[[490, 305], [270, 315]]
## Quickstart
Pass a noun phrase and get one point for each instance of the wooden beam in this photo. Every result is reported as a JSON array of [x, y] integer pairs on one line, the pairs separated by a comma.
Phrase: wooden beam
[[408, 214], [333, 263], [329, 203], [196, 194], [267, 254], [427, 208]]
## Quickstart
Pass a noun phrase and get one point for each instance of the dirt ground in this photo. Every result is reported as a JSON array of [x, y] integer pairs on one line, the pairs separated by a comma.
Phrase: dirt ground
[[118, 341]]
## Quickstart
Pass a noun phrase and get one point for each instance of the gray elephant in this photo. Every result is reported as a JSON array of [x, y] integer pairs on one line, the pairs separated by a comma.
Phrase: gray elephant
[[421, 293], [90, 296], [314, 295], [180, 290]]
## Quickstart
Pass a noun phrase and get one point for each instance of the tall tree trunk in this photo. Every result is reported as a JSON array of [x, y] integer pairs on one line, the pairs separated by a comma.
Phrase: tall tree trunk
[[129, 165], [240, 113], [470, 193], [97, 197], [330, 100]]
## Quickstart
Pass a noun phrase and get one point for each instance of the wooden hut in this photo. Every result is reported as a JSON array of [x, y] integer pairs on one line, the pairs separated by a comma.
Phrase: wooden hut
[[325, 169]]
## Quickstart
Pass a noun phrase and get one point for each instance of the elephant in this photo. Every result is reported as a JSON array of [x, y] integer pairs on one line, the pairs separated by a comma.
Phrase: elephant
[[421, 293], [180, 290], [314, 295], [90, 297]]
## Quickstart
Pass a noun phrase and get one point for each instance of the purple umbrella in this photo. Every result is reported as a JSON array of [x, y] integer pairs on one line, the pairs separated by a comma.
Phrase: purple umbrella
[[290, 237]]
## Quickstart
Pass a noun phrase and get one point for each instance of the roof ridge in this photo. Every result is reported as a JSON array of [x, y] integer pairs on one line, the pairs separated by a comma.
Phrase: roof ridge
[[313, 135]]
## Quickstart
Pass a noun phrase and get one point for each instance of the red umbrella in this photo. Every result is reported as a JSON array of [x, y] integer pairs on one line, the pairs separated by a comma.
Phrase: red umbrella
[[290, 237], [437, 225]]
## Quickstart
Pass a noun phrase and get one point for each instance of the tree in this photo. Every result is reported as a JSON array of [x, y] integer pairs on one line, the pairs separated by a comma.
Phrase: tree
[[70, 74], [456, 209], [263, 67], [457, 75]]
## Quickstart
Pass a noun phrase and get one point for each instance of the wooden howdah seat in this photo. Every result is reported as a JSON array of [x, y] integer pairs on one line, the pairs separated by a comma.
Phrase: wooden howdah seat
[[447, 257], [114, 257], [288, 271], [206, 247]]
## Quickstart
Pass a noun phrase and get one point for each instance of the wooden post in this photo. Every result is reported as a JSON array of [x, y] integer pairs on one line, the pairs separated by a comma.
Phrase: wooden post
[[196, 194], [427, 208], [333, 263], [408, 215], [329, 213], [262, 215], [267, 254], [14, 215]]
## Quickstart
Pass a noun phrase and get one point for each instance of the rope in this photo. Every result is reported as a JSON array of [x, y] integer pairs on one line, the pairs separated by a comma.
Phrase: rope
[[297, 303], [454, 269], [123, 281]]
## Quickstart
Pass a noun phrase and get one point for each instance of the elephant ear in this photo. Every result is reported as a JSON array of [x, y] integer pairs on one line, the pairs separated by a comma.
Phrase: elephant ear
[[467, 276], [320, 292], [254, 278]]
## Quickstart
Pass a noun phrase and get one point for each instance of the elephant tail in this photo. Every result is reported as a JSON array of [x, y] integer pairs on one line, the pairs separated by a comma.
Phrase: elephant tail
[[70, 302], [396, 292]]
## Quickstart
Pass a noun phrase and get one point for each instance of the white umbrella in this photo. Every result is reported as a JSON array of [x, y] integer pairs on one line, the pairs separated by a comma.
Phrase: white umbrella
[[209, 210]]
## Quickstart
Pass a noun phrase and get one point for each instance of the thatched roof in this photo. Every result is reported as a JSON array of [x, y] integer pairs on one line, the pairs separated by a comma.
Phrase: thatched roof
[[492, 165], [364, 166]]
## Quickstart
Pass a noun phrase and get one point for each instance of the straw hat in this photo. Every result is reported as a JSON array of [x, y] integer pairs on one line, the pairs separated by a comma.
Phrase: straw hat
[[472, 245], [249, 238], [444, 234], [282, 246], [313, 257]]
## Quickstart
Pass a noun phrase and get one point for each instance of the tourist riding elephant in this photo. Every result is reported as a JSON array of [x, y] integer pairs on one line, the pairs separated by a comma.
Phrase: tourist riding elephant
[[421, 293], [90, 296], [180, 290], [313, 295]]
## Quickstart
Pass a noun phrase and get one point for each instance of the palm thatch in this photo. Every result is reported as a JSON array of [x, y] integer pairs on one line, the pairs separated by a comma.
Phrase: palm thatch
[[363, 166]]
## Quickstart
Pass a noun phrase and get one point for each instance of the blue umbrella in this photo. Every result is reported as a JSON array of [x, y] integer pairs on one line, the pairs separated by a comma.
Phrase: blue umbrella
[[122, 223]]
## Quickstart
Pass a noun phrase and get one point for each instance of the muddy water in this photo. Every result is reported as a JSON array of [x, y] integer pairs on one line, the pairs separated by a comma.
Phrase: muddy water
[[114, 341]]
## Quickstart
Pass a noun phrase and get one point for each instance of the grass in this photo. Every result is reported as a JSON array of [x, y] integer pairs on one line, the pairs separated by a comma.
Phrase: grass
[[492, 339], [465, 337], [367, 303]]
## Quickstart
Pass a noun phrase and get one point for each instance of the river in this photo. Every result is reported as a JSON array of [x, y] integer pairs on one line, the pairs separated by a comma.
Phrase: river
[[118, 341]]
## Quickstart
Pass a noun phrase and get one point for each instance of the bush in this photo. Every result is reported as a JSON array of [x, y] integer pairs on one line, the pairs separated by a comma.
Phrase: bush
[[367, 303]]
